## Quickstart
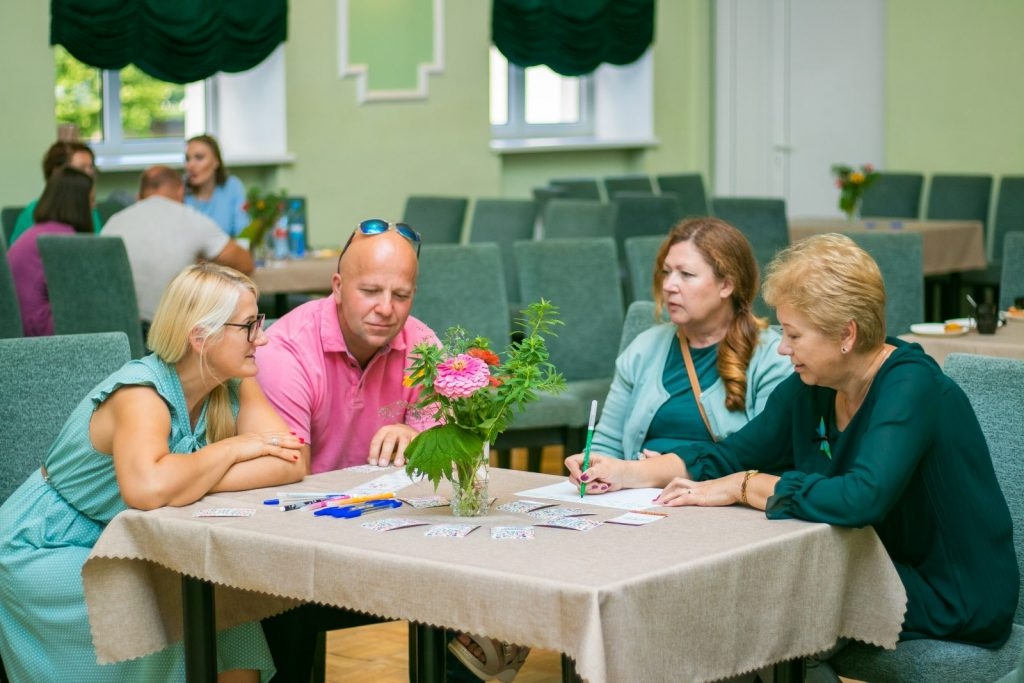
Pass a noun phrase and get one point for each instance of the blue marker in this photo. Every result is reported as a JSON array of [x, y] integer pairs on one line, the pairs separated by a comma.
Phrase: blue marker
[[351, 511]]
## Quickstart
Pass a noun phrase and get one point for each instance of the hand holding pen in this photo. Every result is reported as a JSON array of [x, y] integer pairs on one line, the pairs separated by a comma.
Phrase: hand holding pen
[[590, 438]]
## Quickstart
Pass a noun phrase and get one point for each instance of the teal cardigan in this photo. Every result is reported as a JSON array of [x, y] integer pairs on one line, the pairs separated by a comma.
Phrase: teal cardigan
[[637, 392]]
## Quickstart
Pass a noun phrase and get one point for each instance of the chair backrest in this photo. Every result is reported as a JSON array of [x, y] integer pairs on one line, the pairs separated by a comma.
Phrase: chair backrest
[[639, 214], [1009, 213], [1011, 283], [995, 388], [8, 219], [438, 219], [568, 218], [463, 285], [581, 277], [627, 183], [639, 317], [640, 255], [578, 188], [91, 288], [543, 195], [504, 221], [43, 379], [113, 203], [960, 197], [689, 190], [764, 223], [893, 195], [900, 257], [10, 311]]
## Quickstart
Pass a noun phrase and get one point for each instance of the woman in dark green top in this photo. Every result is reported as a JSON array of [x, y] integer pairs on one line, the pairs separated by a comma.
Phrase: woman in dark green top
[[868, 431]]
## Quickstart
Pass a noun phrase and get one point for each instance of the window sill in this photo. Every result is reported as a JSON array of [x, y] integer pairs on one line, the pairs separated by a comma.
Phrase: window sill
[[534, 145], [113, 163]]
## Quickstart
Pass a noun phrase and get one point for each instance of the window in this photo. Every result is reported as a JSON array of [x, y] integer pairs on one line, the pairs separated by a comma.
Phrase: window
[[537, 102], [126, 112]]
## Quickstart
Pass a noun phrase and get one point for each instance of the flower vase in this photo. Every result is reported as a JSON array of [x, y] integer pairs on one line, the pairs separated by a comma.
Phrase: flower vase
[[470, 495]]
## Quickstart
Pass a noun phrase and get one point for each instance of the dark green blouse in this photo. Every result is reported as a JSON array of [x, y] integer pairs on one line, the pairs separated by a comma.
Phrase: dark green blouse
[[914, 464]]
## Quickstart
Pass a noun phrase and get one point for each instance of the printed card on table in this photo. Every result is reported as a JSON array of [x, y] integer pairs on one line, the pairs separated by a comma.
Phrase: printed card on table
[[524, 506], [515, 533], [427, 502], [392, 523], [638, 518], [225, 512], [557, 513], [451, 530], [574, 523]]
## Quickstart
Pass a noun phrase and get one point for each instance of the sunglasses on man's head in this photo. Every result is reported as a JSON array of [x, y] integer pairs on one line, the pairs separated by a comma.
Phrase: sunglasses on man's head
[[378, 226], [252, 327]]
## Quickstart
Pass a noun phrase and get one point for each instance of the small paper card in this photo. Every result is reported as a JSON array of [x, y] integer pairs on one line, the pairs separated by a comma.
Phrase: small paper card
[[225, 512], [524, 506], [427, 501], [557, 513], [637, 518], [392, 523], [451, 530], [574, 523], [368, 468], [519, 533]]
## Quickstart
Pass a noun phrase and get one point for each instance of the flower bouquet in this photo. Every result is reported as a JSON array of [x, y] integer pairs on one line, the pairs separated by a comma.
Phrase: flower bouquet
[[473, 393], [264, 209], [851, 183]]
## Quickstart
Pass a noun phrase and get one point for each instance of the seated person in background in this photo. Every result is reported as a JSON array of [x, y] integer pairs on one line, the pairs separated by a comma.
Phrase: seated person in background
[[705, 275], [64, 209], [163, 236], [868, 431], [61, 153], [334, 369], [167, 429], [211, 191]]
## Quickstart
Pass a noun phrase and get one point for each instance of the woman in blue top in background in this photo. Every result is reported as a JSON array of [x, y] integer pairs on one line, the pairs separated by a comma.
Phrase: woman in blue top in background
[[167, 429], [211, 191]]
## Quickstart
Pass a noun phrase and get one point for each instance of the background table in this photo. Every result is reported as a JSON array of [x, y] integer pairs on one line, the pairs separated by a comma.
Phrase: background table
[[949, 246], [294, 276], [1007, 342], [702, 594]]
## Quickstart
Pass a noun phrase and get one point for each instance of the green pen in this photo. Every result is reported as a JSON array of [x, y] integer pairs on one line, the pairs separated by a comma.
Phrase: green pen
[[586, 449]]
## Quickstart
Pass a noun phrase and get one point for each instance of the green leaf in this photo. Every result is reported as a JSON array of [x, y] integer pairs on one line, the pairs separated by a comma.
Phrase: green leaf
[[432, 452]]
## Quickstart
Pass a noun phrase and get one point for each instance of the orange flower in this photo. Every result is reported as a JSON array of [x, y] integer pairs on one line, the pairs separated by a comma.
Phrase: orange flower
[[486, 355], [495, 382]]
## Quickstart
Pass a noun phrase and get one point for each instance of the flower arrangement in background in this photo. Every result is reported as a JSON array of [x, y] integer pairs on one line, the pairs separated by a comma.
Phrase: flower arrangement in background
[[264, 209], [851, 182], [473, 393]]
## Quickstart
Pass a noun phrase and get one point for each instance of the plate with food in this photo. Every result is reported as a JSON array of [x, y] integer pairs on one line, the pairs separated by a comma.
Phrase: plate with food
[[962, 322], [951, 329], [1014, 313]]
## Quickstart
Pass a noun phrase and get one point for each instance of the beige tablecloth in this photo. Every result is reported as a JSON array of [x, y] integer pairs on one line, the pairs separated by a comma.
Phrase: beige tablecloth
[[699, 595], [310, 274], [949, 246], [1007, 342]]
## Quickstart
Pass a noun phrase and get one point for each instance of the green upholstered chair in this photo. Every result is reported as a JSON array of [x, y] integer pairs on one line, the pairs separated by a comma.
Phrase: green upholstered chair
[[995, 388], [1011, 283], [688, 189], [1009, 216], [640, 255], [578, 188], [438, 219], [893, 195], [113, 203], [639, 317], [571, 218], [91, 288], [10, 311], [543, 195], [503, 222], [900, 257], [44, 378], [8, 219], [764, 223], [627, 183], [638, 214]]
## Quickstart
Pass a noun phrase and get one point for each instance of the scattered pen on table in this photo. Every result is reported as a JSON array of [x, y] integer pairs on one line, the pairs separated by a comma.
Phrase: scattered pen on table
[[586, 448], [350, 511]]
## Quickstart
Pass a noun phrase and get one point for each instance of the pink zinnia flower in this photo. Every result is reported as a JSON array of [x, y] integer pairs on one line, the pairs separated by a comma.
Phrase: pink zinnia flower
[[461, 376]]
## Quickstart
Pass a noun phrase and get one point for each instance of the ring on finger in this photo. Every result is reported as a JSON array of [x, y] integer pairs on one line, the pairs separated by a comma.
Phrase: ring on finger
[[274, 441]]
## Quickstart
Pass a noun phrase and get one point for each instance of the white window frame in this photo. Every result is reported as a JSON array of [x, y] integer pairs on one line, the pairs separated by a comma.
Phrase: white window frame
[[517, 127]]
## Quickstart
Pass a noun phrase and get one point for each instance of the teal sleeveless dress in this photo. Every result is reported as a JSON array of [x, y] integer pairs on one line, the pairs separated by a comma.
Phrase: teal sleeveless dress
[[47, 530]]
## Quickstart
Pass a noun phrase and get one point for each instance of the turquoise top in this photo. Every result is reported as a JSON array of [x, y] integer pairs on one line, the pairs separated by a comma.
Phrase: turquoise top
[[678, 422]]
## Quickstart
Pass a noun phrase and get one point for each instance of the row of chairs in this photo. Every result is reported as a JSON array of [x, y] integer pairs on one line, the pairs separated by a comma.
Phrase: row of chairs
[[106, 208]]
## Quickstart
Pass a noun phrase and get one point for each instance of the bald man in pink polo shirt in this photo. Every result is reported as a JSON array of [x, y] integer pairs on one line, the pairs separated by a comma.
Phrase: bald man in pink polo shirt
[[333, 368]]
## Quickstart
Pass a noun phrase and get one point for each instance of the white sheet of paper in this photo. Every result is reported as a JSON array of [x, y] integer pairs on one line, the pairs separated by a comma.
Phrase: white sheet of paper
[[625, 499]]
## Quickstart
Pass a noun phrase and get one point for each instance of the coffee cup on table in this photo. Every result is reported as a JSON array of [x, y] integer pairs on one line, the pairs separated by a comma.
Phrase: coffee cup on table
[[988, 318]]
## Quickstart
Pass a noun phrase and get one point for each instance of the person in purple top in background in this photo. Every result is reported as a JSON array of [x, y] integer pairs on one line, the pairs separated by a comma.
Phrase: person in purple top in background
[[64, 209]]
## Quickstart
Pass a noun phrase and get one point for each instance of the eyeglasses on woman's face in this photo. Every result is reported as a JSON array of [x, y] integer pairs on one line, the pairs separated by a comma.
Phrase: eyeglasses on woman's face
[[378, 226], [252, 328]]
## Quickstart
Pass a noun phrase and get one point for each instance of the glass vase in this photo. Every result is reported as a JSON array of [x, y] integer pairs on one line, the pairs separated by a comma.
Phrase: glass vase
[[470, 495]]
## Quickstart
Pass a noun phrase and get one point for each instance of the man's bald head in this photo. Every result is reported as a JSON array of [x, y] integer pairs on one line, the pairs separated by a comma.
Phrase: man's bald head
[[164, 181]]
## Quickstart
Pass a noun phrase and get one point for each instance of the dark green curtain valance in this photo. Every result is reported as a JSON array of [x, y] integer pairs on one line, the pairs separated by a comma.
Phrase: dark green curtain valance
[[572, 37], [180, 41]]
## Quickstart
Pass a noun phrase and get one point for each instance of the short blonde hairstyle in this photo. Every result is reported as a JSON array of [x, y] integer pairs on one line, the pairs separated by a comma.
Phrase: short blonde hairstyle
[[202, 297], [831, 281]]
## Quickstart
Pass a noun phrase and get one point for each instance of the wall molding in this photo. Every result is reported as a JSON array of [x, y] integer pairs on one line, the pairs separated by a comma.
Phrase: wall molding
[[361, 71]]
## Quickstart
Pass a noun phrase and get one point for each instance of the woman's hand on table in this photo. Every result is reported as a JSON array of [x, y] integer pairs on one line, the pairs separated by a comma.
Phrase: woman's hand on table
[[713, 493], [283, 445], [603, 475]]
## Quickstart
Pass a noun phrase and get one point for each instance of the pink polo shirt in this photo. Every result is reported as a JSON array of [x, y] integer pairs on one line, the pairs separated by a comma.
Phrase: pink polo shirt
[[321, 392]]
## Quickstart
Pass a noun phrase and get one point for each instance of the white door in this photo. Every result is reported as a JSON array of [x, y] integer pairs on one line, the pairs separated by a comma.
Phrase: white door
[[799, 86]]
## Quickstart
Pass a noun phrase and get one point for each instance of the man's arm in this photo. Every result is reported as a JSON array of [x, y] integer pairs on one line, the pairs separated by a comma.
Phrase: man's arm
[[234, 256]]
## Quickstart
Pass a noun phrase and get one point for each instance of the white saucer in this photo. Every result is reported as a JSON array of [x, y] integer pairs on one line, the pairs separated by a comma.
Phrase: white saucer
[[937, 330]]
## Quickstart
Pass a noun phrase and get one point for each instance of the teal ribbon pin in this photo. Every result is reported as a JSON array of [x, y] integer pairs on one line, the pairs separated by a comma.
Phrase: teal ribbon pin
[[823, 439]]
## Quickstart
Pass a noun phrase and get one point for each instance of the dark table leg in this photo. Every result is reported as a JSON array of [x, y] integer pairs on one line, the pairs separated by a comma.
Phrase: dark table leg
[[789, 672], [426, 653], [200, 632]]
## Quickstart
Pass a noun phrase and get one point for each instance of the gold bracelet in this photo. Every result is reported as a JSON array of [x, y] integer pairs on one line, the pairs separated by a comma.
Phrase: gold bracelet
[[743, 487]]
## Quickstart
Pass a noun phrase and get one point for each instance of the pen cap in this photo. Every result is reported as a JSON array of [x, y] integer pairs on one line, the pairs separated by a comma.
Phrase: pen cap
[[593, 415]]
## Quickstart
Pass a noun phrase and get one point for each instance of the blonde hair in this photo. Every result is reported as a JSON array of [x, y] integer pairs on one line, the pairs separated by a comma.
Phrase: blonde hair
[[831, 281], [731, 258], [202, 297]]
